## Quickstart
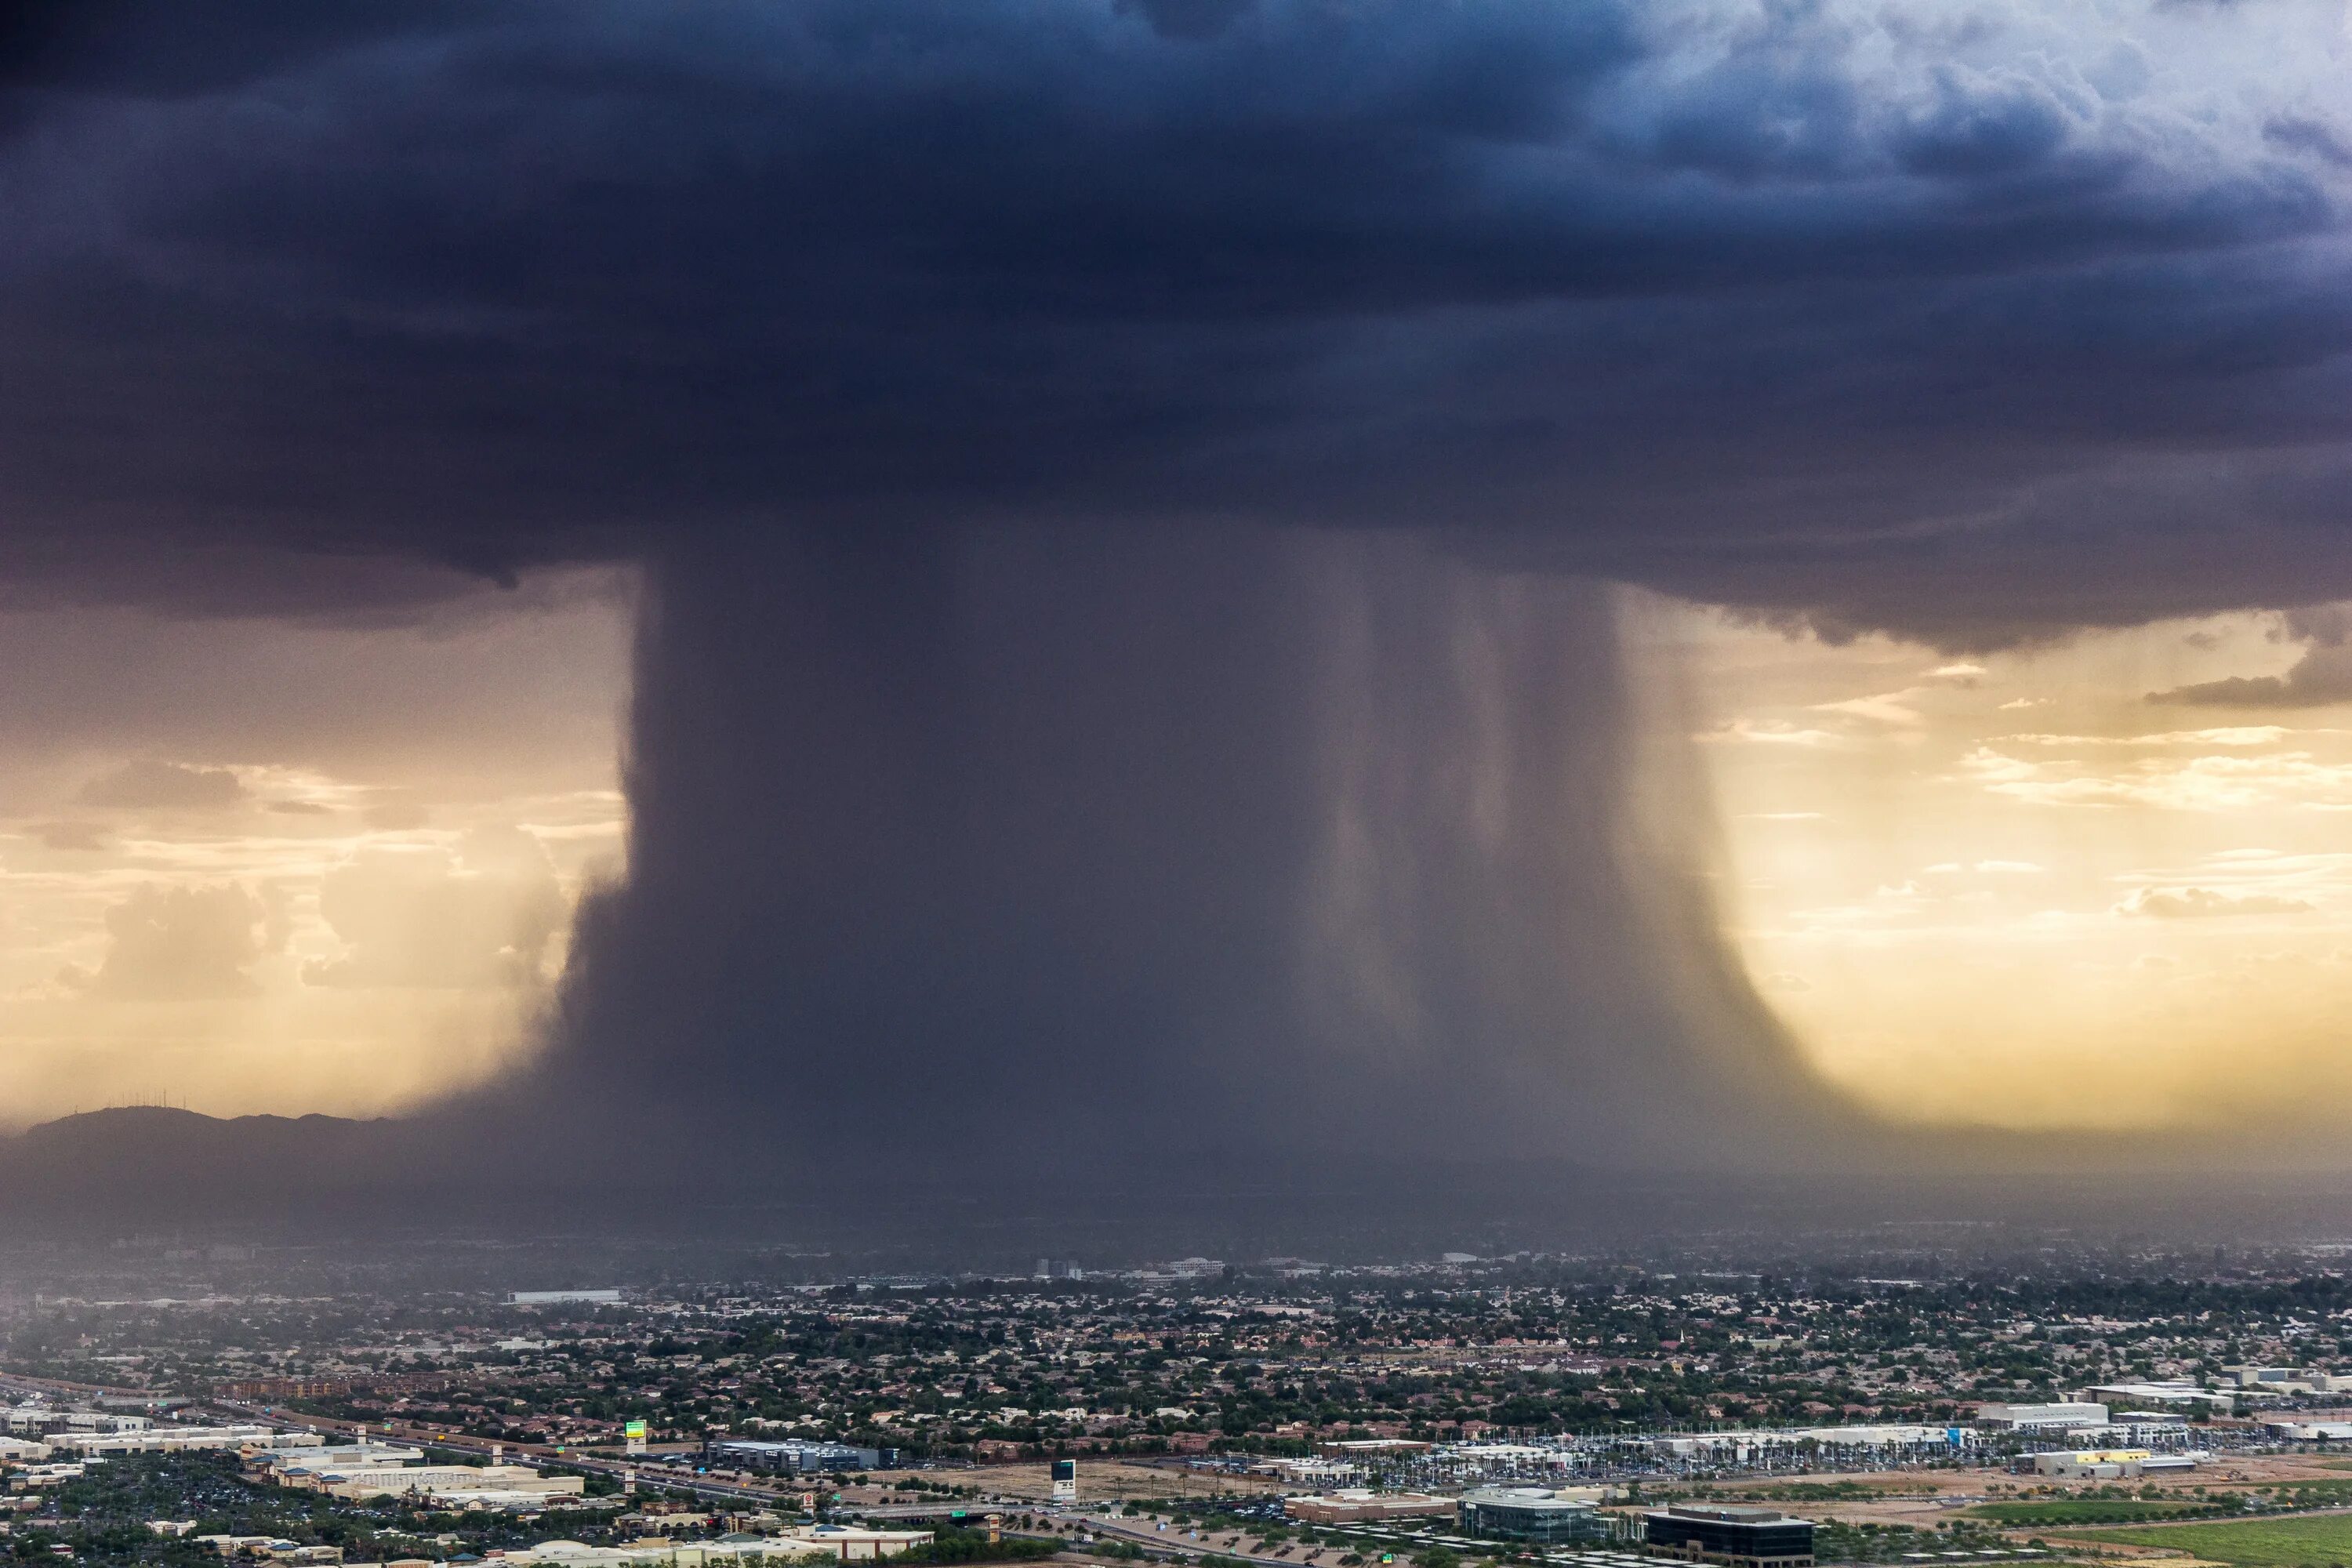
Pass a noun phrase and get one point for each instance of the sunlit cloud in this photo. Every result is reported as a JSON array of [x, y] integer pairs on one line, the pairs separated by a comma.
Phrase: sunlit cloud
[[2191, 784], [1891, 707], [2244, 735], [1772, 732], [2198, 903]]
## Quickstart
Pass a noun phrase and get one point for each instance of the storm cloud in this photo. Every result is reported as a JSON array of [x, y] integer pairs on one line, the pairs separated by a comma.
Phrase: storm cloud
[[1123, 487], [1982, 323]]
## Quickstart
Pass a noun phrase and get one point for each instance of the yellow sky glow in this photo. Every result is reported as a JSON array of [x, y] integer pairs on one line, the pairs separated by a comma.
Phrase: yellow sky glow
[[249, 867], [2012, 889]]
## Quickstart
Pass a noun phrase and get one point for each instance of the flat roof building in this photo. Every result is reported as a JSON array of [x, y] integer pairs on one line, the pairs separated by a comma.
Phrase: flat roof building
[[155, 1439], [2042, 1418], [2092, 1464], [1355, 1505], [2175, 1390], [795, 1455], [1740, 1537]]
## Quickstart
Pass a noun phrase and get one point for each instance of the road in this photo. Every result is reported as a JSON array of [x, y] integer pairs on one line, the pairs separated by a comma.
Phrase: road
[[1174, 1541]]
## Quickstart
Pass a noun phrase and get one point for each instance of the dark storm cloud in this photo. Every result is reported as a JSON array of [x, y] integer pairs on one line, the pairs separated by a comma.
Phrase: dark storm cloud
[[1814, 308], [1118, 483], [2320, 676]]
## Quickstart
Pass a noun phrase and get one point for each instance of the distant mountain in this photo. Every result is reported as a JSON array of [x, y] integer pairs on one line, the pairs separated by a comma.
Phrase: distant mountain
[[148, 1162], [146, 1131]]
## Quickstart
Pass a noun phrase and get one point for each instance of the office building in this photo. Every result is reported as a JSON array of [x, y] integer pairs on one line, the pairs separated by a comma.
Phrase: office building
[[1532, 1514], [1740, 1537]]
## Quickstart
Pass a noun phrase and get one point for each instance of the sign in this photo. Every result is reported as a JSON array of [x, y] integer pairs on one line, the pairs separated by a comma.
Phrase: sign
[[635, 1433]]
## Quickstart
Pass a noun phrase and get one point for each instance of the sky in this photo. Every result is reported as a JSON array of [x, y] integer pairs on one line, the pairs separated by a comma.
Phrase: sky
[[347, 889], [2099, 883], [1716, 581]]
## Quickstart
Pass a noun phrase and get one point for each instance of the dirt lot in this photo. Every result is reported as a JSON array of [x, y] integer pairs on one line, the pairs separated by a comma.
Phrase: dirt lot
[[1920, 1497]]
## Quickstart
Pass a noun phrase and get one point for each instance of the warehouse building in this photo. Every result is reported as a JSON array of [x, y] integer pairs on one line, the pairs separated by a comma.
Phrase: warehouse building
[[1740, 1537], [2092, 1464]]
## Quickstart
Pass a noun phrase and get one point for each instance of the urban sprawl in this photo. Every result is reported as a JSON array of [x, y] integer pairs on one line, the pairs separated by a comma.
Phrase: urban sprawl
[[1279, 1414]]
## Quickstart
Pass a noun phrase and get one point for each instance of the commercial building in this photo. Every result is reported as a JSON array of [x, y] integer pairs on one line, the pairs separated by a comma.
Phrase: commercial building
[[2176, 1392], [1740, 1537], [37, 1417], [366, 1471], [794, 1455], [1360, 1505], [464, 1486], [1879, 1443], [157, 1439], [2060, 1417], [564, 1298], [51, 1475], [842, 1542], [2173, 1464], [2310, 1431], [849, 1544], [304, 1468], [269, 1549], [2286, 1380], [2092, 1464], [1533, 1514]]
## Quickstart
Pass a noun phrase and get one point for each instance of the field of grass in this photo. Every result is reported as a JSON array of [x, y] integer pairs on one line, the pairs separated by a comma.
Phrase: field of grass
[[2320, 1540], [2085, 1510]]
